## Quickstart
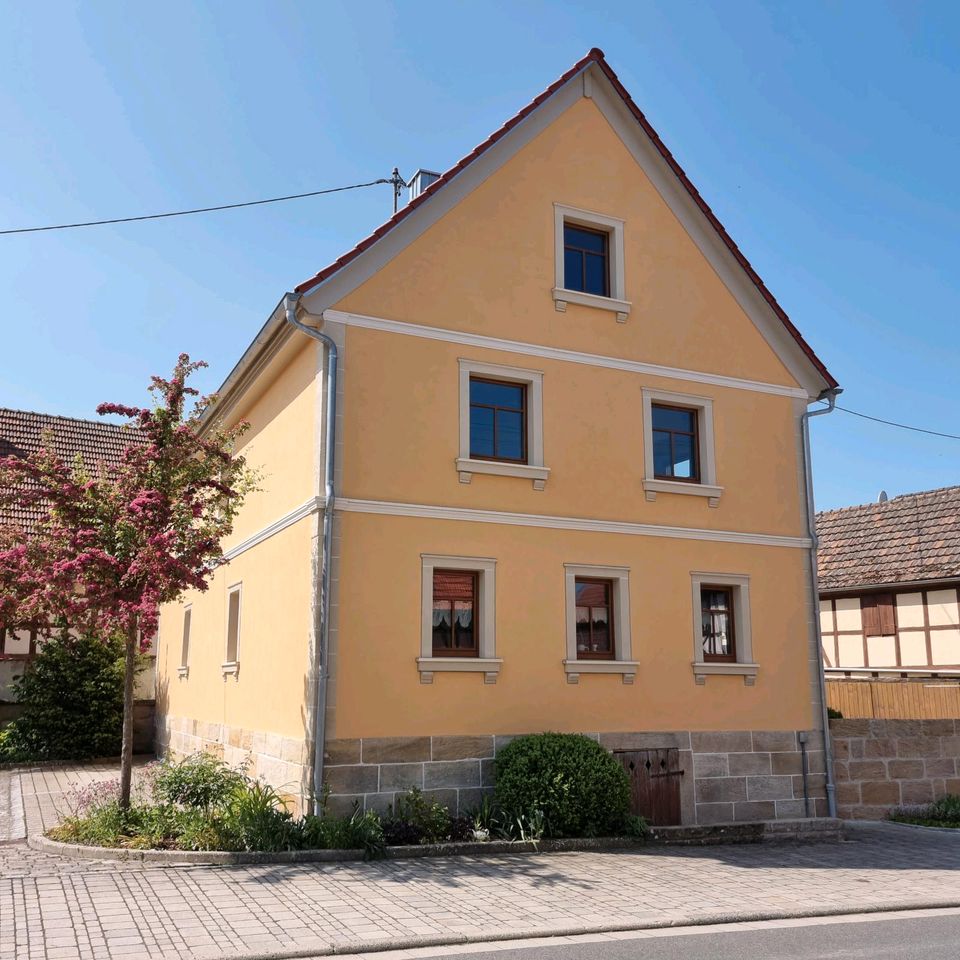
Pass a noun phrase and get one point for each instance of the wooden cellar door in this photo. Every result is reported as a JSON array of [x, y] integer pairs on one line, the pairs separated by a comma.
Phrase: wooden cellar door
[[654, 783]]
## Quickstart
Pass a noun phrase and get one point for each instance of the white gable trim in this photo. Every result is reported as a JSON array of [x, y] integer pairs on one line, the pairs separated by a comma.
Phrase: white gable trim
[[556, 353]]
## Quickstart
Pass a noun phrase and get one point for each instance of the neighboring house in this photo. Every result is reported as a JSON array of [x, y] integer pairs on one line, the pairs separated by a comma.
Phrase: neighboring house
[[570, 494], [95, 442], [889, 576]]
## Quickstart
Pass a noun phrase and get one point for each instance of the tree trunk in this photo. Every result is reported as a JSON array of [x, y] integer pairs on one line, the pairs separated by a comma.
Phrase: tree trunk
[[126, 748]]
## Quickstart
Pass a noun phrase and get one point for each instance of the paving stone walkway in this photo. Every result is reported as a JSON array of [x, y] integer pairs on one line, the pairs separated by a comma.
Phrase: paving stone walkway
[[55, 908]]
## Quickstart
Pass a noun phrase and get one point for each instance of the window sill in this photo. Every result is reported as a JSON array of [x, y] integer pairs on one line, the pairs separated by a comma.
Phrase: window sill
[[702, 670], [467, 468], [626, 668], [653, 487], [562, 297], [489, 667], [183, 672], [230, 669]]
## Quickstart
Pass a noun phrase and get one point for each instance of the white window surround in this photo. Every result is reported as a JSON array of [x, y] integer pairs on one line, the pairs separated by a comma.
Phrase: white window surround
[[534, 468], [487, 662], [612, 226], [707, 487], [622, 663], [232, 667], [183, 670], [745, 666]]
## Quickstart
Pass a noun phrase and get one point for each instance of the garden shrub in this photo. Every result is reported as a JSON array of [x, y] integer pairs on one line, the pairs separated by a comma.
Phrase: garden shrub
[[415, 819], [199, 780], [255, 818], [71, 695], [360, 831], [569, 780]]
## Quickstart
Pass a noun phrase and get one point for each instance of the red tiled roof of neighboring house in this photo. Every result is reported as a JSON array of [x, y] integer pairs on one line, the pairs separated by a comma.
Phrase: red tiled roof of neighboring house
[[910, 538], [594, 56], [97, 442]]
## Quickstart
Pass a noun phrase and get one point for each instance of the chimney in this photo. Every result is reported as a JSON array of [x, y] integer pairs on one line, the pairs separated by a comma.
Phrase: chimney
[[420, 181]]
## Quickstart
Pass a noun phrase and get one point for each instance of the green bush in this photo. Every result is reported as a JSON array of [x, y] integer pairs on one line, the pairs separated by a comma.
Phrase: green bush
[[415, 819], [255, 818], [834, 714], [569, 780], [359, 831], [72, 699], [200, 780]]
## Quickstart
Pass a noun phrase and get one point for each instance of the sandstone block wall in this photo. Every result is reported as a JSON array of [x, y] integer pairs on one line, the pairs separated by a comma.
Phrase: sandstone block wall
[[280, 761], [883, 764], [728, 776]]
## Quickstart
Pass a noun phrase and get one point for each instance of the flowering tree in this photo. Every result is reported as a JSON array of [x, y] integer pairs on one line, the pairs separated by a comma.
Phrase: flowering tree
[[115, 544]]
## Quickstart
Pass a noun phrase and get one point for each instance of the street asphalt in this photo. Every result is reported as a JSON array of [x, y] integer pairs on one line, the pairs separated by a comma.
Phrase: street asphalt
[[933, 936]]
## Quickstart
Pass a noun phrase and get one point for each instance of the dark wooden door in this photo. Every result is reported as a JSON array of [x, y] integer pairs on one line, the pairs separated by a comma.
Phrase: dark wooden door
[[654, 783]]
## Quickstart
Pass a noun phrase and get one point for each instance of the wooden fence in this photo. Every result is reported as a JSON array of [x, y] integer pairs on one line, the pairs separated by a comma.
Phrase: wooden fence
[[916, 698]]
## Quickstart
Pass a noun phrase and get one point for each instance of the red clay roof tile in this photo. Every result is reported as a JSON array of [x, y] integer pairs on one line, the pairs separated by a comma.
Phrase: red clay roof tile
[[914, 537], [21, 433]]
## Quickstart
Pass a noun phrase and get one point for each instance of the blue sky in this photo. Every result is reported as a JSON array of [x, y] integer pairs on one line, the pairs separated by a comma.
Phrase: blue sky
[[825, 136]]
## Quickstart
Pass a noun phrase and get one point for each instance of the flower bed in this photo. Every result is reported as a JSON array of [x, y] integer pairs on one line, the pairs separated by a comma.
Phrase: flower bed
[[944, 813], [201, 804]]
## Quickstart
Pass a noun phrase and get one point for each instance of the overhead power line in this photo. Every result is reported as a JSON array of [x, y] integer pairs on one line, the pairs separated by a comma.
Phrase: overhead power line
[[185, 213], [901, 426]]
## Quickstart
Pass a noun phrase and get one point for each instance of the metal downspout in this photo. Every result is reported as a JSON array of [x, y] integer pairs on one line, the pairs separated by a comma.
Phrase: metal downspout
[[831, 397], [290, 302]]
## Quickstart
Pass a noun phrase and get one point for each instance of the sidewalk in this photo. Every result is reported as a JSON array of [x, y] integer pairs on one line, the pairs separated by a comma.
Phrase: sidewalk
[[56, 908]]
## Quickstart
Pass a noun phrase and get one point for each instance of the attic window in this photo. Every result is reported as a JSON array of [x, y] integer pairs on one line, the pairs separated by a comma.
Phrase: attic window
[[586, 260], [589, 261]]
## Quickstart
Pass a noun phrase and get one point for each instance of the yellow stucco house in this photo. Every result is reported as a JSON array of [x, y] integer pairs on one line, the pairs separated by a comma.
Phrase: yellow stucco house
[[567, 489]]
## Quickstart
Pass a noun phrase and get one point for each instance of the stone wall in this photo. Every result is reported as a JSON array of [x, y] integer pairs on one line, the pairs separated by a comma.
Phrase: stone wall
[[883, 764], [280, 761], [728, 776]]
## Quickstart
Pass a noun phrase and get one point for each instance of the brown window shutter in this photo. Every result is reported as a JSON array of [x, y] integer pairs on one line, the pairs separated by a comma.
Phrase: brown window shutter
[[871, 616], [888, 626]]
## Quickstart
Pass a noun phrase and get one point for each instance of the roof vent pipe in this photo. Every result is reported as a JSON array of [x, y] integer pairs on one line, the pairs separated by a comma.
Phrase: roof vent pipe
[[883, 498], [420, 181]]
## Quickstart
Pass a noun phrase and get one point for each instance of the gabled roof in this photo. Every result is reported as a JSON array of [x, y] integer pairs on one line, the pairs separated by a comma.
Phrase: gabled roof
[[595, 56], [911, 538], [97, 442]]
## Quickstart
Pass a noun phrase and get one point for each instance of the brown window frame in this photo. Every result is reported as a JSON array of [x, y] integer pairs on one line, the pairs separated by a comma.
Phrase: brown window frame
[[583, 259], [730, 657], [878, 613], [524, 387], [459, 652], [695, 478], [611, 619]]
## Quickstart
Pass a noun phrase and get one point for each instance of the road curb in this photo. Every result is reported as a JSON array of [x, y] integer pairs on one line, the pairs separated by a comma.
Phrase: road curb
[[761, 832], [897, 825], [13, 827], [347, 947], [79, 851]]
